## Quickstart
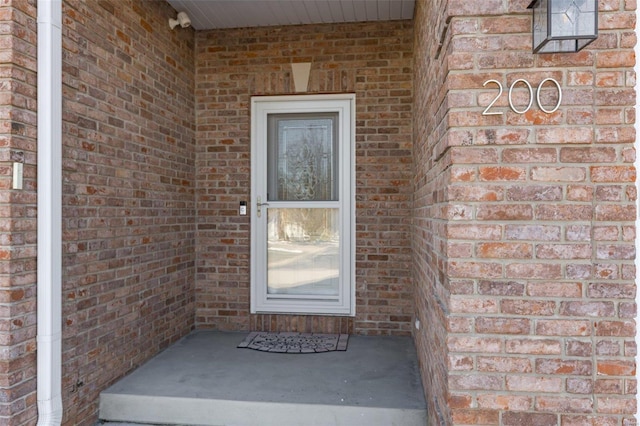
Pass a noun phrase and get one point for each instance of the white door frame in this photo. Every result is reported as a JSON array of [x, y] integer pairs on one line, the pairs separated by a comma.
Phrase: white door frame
[[261, 107]]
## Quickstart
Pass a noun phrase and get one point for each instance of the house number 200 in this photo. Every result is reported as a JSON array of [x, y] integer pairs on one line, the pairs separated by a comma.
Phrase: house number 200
[[526, 83]]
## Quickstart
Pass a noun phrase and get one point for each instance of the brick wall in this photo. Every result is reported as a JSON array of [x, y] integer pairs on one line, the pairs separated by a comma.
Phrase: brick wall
[[524, 223], [374, 61], [18, 214], [128, 195], [522, 243], [429, 206]]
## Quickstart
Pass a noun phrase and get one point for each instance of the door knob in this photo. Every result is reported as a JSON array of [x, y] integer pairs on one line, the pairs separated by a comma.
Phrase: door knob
[[259, 205]]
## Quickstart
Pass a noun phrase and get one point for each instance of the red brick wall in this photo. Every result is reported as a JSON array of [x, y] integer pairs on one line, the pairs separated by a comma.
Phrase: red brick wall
[[524, 236], [373, 60], [429, 207], [128, 195], [522, 242], [18, 214]]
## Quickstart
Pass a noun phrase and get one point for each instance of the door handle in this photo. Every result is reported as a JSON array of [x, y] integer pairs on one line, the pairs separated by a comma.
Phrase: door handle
[[259, 205]]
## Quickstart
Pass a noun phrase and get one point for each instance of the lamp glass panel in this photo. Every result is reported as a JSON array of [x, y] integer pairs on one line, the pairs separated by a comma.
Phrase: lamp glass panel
[[540, 32], [558, 46], [563, 25], [572, 18]]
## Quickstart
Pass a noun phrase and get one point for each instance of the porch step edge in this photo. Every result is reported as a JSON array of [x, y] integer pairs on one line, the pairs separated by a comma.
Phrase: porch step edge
[[216, 412]]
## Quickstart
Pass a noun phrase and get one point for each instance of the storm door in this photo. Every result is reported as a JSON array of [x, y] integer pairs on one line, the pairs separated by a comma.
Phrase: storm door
[[302, 221]]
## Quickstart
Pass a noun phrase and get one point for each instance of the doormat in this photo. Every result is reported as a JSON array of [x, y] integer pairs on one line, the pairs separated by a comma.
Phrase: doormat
[[295, 343]]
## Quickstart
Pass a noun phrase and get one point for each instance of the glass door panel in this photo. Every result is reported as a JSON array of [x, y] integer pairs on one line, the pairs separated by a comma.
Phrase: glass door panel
[[303, 241], [303, 254], [302, 157]]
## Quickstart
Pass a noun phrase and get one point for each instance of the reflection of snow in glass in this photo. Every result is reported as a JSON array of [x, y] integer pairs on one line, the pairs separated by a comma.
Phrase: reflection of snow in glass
[[303, 268], [303, 251], [284, 250]]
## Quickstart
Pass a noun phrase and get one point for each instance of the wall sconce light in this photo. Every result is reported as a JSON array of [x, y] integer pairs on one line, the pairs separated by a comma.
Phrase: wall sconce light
[[182, 19], [561, 26]]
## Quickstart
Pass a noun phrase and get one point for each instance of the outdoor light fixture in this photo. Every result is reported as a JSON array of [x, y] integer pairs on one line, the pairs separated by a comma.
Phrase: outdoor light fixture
[[182, 19], [561, 26]]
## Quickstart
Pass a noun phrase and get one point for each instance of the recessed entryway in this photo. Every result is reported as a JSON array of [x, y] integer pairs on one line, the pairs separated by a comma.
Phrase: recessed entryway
[[205, 379]]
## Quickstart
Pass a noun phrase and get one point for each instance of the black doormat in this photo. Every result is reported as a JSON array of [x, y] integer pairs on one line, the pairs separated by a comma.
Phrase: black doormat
[[295, 343]]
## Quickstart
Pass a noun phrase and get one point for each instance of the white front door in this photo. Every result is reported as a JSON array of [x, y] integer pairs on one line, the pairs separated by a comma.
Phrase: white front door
[[302, 211]]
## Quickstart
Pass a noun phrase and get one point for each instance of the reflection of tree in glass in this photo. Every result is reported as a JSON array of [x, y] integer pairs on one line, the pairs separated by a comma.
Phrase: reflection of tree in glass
[[301, 180], [305, 160], [307, 224]]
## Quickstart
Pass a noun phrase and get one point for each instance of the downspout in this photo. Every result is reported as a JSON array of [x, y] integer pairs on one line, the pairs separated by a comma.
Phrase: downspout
[[49, 287]]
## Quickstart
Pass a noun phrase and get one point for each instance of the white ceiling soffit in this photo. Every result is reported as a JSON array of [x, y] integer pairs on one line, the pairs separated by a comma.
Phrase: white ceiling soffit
[[212, 14]]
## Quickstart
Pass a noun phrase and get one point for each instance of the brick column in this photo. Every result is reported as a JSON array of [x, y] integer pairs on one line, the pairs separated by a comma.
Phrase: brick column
[[524, 222], [18, 217]]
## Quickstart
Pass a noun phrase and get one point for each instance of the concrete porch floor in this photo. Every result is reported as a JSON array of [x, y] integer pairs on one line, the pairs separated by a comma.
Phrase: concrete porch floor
[[205, 380]]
